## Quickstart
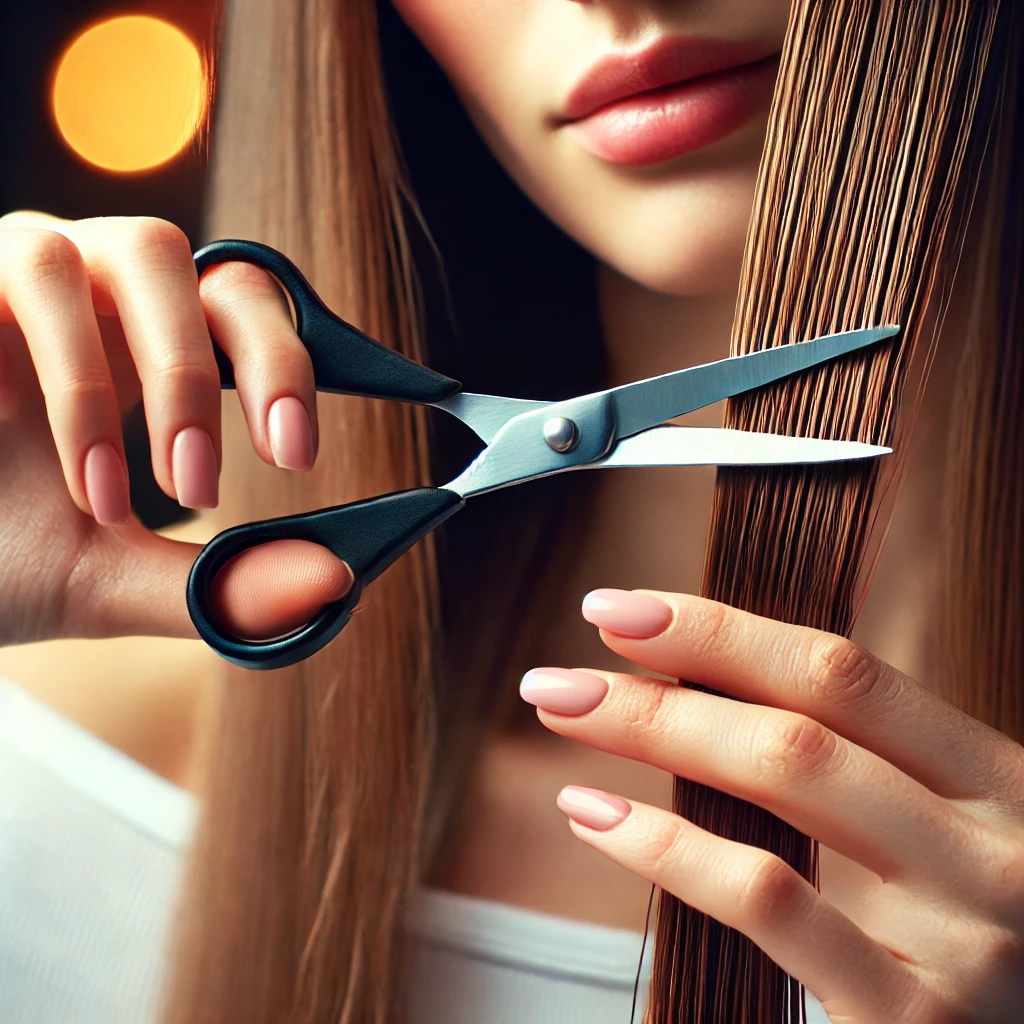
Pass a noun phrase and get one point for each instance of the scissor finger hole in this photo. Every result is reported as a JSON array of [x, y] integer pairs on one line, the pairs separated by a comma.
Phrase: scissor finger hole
[[273, 590]]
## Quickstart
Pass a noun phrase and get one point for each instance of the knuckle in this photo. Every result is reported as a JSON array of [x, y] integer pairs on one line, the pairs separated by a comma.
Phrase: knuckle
[[773, 890], [42, 254], [647, 709], [278, 365], [794, 747], [664, 849], [1006, 861], [229, 283], [712, 625], [155, 239], [178, 374], [841, 672], [85, 390], [290, 362]]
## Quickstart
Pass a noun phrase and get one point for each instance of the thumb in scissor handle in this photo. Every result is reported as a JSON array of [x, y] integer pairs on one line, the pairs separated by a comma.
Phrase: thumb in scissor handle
[[325, 625], [367, 535]]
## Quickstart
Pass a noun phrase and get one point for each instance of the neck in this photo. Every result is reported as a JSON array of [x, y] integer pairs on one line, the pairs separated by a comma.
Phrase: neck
[[648, 333]]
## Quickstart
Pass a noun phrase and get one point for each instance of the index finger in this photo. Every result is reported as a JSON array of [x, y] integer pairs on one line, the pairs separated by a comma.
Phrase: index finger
[[818, 674]]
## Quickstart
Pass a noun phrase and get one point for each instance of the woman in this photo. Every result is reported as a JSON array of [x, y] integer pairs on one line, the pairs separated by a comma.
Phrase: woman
[[298, 892]]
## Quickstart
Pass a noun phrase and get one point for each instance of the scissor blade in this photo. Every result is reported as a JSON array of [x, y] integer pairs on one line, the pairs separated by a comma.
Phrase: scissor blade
[[486, 414], [668, 446], [717, 446], [647, 403]]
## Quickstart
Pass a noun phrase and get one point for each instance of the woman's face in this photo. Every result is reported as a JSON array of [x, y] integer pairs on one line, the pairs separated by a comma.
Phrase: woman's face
[[635, 125]]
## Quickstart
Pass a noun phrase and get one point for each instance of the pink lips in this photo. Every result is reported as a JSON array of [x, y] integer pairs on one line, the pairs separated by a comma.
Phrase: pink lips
[[678, 95]]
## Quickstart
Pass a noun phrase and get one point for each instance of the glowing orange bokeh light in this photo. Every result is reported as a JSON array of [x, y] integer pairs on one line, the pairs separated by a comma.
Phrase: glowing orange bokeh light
[[129, 93]]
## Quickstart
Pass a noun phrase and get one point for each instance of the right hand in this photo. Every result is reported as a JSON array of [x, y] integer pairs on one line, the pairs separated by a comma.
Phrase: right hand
[[94, 316]]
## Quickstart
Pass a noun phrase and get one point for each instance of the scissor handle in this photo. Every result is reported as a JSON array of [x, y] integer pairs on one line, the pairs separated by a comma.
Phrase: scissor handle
[[368, 535], [345, 361]]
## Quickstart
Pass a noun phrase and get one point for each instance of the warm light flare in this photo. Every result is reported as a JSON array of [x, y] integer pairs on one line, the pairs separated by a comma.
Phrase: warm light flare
[[130, 93]]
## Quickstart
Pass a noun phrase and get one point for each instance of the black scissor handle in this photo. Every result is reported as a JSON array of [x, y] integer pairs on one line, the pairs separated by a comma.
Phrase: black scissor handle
[[369, 535], [345, 360]]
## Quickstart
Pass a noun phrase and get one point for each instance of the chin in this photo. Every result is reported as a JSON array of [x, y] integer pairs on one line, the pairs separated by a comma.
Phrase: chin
[[680, 235], [679, 262], [683, 274]]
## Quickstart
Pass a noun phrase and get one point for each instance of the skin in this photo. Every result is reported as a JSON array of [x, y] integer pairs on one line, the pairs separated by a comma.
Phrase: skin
[[845, 747], [920, 809]]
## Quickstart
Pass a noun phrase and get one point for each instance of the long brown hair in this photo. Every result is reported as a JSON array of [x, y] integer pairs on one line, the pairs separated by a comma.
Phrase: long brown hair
[[315, 823], [881, 120], [317, 774], [326, 797]]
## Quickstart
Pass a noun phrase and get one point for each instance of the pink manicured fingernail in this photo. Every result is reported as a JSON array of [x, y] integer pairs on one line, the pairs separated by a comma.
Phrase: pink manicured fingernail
[[627, 613], [593, 807], [194, 468], [106, 485], [291, 435], [563, 690]]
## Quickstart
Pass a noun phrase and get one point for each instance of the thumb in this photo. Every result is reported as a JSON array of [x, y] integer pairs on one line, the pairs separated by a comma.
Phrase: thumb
[[276, 587], [138, 582]]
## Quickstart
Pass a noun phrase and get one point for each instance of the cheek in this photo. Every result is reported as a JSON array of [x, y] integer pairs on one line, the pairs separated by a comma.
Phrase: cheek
[[679, 230]]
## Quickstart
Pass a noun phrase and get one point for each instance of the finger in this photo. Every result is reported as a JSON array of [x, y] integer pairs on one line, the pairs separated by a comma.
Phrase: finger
[[275, 588], [754, 892], [103, 300], [46, 286], [824, 785], [33, 219], [146, 264], [818, 674], [130, 582], [248, 315]]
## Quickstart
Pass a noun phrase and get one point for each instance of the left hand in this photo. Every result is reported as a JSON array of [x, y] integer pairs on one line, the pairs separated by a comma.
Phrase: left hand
[[846, 749]]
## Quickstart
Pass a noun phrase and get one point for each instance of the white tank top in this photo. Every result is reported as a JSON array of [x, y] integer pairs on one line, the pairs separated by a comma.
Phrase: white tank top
[[91, 854]]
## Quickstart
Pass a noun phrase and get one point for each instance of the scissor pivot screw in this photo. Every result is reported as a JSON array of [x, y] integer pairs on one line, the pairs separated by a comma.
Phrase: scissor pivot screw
[[561, 434]]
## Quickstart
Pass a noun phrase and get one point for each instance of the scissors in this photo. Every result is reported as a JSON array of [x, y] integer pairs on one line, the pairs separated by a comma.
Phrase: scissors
[[525, 440]]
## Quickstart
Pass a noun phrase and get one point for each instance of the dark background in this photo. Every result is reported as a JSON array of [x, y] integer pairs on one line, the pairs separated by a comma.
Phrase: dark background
[[37, 168], [39, 171]]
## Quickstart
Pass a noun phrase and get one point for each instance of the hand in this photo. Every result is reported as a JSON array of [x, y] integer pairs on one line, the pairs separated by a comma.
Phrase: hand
[[846, 749], [94, 316]]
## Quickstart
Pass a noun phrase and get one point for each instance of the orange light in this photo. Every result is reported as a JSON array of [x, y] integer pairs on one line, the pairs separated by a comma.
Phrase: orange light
[[129, 93]]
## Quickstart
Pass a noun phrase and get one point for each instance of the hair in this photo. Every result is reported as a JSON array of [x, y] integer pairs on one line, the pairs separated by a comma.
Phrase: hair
[[316, 821], [326, 797], [866, 184]]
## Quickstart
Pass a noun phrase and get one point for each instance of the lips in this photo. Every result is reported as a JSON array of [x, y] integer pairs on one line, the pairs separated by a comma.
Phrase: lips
[[677, 95]]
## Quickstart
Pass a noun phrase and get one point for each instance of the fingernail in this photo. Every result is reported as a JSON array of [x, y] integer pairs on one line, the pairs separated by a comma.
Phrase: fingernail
[[194, 468], [563, 690], [106, 485], [593, 807], [291, 435], [627, 613]]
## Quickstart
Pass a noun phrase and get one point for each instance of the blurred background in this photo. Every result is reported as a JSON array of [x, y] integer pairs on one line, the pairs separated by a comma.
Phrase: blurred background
[[105, 113]]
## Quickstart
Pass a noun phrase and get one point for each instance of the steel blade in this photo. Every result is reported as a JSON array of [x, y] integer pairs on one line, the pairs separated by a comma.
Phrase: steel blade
[[668, 446], [717, 446], [486, 414], [647, 403]]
